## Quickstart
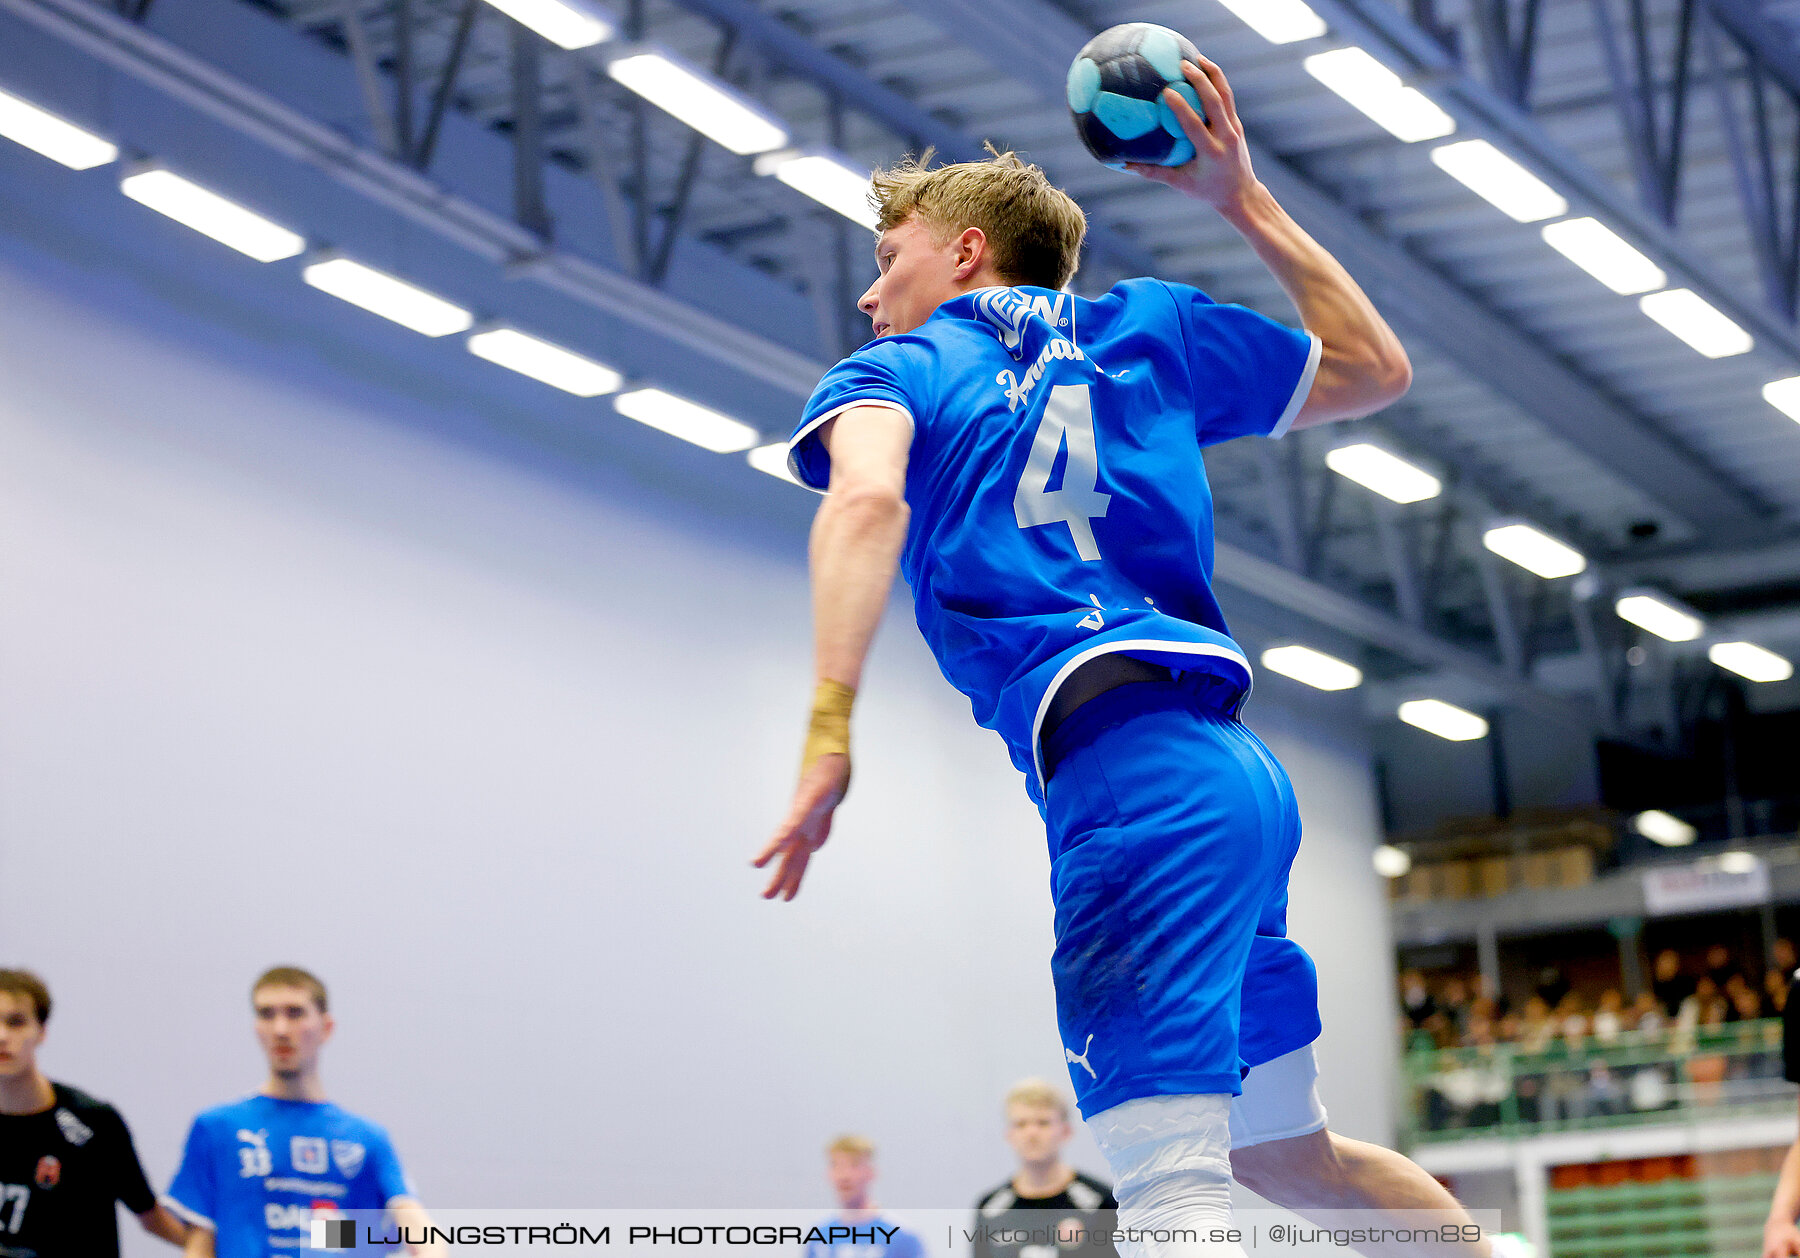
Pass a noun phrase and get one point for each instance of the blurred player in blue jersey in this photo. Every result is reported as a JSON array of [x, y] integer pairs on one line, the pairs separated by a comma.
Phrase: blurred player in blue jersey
[[1031, 461], [858, 1229], [255, 1173]]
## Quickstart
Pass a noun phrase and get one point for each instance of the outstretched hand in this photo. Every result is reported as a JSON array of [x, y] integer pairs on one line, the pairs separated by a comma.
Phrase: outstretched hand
[[808, 824], [1220, 170]]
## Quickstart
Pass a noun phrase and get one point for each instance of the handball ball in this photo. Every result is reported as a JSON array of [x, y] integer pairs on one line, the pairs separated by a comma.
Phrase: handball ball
[[1115, 95]]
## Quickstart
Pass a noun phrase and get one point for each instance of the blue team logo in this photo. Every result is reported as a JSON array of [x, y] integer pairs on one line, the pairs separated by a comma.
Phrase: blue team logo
[[348, 1155], [1008, 310], [308, 1154]]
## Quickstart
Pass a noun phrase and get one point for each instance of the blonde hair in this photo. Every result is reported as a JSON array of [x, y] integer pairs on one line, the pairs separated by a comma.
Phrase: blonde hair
[[293, 976], [1034, 230], [1038, 1094], [853, 1145]]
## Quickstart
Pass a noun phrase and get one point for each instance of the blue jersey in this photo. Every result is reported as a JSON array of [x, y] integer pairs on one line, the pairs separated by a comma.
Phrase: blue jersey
[[879, 1237], [1060, 508], [255, 1171]]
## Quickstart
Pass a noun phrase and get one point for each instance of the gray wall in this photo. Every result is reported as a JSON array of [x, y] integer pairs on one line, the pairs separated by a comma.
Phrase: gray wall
[[322, 643]]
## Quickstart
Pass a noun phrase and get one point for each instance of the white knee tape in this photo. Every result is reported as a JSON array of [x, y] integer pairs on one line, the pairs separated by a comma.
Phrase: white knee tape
[[1155, 1136], [1280, 1100]]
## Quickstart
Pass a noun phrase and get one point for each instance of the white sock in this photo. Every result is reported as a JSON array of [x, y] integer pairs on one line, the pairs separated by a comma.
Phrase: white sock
[[1175, 1215], [1171, 1164]]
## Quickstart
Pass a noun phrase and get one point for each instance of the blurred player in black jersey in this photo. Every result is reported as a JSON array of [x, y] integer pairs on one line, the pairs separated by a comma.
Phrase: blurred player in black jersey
[[65, 1158], [1048, 1209]]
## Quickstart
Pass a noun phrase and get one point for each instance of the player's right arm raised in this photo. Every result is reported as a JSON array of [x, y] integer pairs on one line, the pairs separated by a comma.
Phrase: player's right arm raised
[[1362, 366], [856, 540]]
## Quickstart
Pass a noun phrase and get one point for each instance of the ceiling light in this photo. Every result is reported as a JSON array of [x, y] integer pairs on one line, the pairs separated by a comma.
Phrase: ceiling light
[[1690, 317], [552, 364], [1603, 254], [1446, 720], [1391, 861], [681, 418], [773, 459], [1376, 90], [1746, 659], [1660, 827], [826, 180], [1374, 468], [391, 298], [56, 138], [1784, 396], [1662, 616], [1535, 551], [1315, 668], [707, 106], [1278, 21], [568, 25], [212, 215], [1500, 181]]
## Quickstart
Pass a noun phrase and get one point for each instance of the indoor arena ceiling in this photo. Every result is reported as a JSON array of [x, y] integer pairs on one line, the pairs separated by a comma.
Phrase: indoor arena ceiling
[[1541, 395]]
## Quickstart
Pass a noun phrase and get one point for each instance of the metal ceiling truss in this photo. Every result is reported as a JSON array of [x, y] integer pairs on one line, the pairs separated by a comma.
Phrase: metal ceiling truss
[[1431, 603], [1659, 55]]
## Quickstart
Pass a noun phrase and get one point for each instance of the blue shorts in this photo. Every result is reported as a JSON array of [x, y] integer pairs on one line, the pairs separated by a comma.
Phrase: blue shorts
[[1172, 831]]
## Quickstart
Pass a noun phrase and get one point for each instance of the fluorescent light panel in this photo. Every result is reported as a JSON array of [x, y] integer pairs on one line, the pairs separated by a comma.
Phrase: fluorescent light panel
[[566, 25], [1691, 318], [1404, 111], [1315, 668], [1663, 617], [681, 418], [1603, 254], [212, 215], [1500, 181], [555, 366], [1661, 827], [56, 138], [1750, 661], [772, 459], [1534, 550], [1388, 475], [1278, 21], [708, 107], [391, 298], [1446, 720], [826, 180], [1784, 396]]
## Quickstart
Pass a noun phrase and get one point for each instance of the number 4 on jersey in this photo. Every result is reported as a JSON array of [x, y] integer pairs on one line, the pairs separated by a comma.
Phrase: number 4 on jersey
[[1068, 420]]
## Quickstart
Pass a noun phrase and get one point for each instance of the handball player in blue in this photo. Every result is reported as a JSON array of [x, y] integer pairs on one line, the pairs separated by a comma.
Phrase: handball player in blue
[[1032, 461]]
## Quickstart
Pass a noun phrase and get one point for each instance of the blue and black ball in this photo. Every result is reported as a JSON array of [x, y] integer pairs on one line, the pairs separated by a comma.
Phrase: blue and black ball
[[1115, 95]]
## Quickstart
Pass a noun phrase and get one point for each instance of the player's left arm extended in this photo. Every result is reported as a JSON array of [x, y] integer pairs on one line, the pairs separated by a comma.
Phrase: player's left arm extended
[[409, 1214], [856, 540], [160, 1221]]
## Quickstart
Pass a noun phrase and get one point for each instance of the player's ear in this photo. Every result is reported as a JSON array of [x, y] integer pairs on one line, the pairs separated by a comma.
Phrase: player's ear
[[971, 249]]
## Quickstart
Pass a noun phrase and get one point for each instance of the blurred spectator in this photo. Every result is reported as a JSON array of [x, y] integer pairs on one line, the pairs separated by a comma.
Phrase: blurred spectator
[[1605, 1095], [1609, 1018], [1775, 989], [1551, 986], [1669, 983], [1415, 998], [1719, 966]]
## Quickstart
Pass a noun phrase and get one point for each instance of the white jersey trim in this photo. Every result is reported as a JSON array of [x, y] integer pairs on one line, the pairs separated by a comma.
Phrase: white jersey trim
[[1304, 387], [793, 459], [192, 1216], [1111, 648]]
